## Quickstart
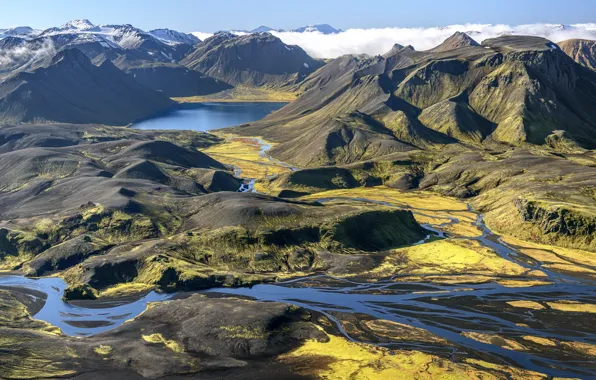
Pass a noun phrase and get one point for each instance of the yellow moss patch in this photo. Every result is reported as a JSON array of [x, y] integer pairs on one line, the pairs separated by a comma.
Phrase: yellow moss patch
[[242, 94], [431, 207], [513, 283], [159, 339], [347, 360], [243, 332], [526, 305], [415, 199], [514, 373], [103, 350], [572, 306], [400, 332], [495, 340], [245, 154], [447, 257], [464, 229], [579, 347], [553, 254], [425, 219], [540, 340], [125, 289], [92, 211]]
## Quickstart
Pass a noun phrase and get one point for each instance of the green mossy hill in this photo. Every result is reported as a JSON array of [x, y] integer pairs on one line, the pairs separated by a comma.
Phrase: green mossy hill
[[530, 194], [401, 171], [70, 192], [236, 239], [135, 211], [512, 90]]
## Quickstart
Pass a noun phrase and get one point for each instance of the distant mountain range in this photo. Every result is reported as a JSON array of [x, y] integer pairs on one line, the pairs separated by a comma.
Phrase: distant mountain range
[[320, 28], [115, 74], [459, 92], [71, 89]]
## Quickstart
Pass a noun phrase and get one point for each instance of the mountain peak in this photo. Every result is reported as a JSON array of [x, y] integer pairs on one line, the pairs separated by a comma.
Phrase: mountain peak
[[456, 41], [264, 28], [78, 24], [394, 49], [321, 28], [173, 37], [71, 56]]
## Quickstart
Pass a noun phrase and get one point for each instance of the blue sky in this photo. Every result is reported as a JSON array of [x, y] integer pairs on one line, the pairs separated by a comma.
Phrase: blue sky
[[213, 15]]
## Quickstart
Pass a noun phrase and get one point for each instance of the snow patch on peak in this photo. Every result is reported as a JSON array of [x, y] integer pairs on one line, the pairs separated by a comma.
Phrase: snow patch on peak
[[317, 28], [172, 37], [78, 24]]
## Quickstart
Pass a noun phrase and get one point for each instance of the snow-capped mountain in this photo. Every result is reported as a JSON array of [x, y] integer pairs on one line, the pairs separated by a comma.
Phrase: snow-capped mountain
[[172, 37], [80, 24], [321, 28], [19, 31], [264, 28], [125, 36], [125, 41]]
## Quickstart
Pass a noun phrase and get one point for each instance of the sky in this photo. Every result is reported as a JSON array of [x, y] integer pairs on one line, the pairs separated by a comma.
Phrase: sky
[[211, 16]]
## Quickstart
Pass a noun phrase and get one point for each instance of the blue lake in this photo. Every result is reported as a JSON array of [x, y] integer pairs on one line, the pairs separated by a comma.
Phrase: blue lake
[[209, 116]]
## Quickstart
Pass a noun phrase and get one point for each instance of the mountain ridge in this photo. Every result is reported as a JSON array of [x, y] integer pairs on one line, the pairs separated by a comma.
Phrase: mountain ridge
[[510, 90], [71, 89]]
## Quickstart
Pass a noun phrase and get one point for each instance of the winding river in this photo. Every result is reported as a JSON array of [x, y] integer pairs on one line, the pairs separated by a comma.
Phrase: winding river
[[443, 310]]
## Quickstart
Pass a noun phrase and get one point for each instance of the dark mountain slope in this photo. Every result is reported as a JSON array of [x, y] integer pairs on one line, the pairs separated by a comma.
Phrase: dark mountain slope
[[511, 90], [71, 89], [149, 56], [175, 80], [258, 59]]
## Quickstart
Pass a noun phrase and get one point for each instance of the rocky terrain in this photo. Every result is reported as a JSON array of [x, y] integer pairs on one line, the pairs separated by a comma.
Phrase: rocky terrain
[[420, 214], [582, 51], [510, 91], [252, 60]]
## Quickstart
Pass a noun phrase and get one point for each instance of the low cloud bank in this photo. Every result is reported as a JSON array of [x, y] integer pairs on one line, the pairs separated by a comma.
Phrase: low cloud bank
[[27, 52], [379, 41]]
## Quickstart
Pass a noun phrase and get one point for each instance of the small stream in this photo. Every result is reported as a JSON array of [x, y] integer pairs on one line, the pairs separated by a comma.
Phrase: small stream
[[443, 310]]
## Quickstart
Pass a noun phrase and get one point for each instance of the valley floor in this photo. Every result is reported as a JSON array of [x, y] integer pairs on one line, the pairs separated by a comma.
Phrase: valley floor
[[242, 94], [462, 302]]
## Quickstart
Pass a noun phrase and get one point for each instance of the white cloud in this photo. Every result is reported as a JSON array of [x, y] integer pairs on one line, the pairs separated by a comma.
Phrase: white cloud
[[26, 53], [202, 36], [379, 41]]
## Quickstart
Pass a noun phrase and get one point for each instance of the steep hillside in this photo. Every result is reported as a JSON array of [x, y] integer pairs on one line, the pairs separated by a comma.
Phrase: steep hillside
[[175, 80], [71, 89], [582, 51], [512, 90], [258, 59]]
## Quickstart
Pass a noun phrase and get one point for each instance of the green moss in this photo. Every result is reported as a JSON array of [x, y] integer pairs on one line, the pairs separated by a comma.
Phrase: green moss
[[79, 292]]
